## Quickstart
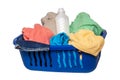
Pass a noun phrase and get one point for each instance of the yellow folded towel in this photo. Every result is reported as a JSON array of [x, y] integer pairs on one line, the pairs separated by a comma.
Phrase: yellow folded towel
[[87, 41]]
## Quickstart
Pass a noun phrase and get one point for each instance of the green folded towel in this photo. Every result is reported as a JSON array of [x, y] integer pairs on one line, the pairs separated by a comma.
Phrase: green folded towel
[[83, 21]]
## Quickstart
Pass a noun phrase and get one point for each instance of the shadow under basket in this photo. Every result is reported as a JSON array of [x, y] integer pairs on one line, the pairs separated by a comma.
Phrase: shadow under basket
[[64, 58]]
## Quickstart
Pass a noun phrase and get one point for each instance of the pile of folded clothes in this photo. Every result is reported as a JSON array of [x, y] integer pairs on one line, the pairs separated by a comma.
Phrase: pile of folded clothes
[[85, 33]]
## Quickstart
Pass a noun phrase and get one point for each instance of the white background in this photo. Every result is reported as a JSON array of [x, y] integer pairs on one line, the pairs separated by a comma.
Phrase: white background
[[16, 14]]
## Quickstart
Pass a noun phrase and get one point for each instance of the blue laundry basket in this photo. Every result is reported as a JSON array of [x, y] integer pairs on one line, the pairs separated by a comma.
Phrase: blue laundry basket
[[59, 59]]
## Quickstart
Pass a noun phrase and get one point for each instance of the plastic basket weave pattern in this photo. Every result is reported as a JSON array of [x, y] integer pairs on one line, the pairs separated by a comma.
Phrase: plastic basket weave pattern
[[60, 59]]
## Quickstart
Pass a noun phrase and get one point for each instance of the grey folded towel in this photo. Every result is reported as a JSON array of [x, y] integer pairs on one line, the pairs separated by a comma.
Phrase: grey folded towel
[[49, 21]]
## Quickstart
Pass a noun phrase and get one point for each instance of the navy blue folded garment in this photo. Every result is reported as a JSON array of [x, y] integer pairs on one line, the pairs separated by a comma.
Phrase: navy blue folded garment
[[24, 45]]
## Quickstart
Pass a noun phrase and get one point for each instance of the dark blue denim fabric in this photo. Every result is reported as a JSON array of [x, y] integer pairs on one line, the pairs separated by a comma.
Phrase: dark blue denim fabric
[[24, 45]]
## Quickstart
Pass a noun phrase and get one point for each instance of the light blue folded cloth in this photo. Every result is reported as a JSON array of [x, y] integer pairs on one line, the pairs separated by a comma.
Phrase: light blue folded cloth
[[59, 39], [62, 39]]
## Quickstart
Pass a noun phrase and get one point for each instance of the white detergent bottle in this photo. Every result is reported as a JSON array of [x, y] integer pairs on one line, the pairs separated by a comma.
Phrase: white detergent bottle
[[62, 21]]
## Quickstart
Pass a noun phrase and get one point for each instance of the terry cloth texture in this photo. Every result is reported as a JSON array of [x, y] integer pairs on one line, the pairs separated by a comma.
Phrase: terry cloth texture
[[83, 21], [87, 41], [38, 34], [59, 39], [49, 21]]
